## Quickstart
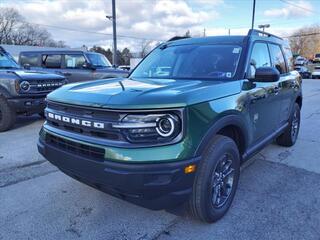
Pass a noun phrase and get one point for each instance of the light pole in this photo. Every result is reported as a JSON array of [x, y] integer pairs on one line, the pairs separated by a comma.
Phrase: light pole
[[114, 28], [253, 13], [263, 26]]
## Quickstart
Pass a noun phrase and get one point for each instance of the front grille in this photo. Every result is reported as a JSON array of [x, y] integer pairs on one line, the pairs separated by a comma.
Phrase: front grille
[[44, 86], [94, 153], [92, 115]]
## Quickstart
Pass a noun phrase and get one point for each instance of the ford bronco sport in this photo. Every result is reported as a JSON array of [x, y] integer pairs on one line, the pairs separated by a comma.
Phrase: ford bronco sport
[[179, 127], [22, 91]]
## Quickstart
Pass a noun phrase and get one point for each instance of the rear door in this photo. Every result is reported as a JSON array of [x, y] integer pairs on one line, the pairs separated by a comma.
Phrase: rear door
[[286, 83], [74, 70], [264, 109]]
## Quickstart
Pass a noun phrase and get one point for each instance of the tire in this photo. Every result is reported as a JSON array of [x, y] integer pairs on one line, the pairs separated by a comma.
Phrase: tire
[[204, 199], [289, 137], [41, 114], [7, 116]]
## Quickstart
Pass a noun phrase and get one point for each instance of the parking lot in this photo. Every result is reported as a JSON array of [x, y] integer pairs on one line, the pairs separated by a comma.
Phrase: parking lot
[[278, 196]]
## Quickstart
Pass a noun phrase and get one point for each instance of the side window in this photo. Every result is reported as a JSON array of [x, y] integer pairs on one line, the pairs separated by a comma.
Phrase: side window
[[259, 58], [277, 58], [29, 58], [51, 60], [74, 60], [289, 57]]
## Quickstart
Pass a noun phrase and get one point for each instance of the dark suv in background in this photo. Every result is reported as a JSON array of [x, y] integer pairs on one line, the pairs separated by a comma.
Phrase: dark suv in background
[[75, 65], [22, 91]]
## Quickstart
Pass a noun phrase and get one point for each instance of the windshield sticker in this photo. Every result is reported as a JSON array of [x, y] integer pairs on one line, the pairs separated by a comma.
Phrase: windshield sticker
[[228, 74], [236, 50]]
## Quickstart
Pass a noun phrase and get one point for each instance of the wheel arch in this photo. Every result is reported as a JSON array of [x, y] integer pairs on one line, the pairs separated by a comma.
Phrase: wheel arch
[[231, 125], [299, 101], [4, 92]]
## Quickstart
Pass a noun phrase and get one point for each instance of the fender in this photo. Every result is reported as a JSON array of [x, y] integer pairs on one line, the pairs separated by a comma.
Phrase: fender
[[234, 119]]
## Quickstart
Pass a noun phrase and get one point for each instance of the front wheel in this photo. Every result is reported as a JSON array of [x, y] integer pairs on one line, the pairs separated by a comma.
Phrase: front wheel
[[289, 137], [216, 180]]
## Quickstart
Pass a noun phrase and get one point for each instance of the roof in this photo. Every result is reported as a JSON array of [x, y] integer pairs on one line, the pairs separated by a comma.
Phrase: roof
[[58, 51], [253, 34], [209, 40]]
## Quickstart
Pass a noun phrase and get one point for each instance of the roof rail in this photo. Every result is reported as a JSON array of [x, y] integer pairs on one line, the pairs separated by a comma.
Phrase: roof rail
[[177, 38], [255, 32]]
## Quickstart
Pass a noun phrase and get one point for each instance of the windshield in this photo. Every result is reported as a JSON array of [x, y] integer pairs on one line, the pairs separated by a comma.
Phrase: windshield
[[7, 62], [190, 61], [317, 55], [98, 60]]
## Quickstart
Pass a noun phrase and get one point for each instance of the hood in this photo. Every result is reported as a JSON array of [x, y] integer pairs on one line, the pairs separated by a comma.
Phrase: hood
[[34, 75], [124, 93]]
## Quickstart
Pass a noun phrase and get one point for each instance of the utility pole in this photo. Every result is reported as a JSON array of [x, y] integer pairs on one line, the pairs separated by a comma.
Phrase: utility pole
[[253, 13], [114, 27]]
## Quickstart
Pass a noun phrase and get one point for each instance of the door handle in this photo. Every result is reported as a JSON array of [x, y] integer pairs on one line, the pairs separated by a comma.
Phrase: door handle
[[256, 98], [63, 73], [66, 74]]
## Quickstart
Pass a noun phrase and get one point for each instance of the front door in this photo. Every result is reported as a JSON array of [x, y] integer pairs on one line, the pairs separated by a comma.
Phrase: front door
[[264, 109], [74, 70]]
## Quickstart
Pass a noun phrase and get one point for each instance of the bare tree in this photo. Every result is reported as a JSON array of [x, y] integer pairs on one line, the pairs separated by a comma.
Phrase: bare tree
[[306, 41], [14, 30], [146, 46]]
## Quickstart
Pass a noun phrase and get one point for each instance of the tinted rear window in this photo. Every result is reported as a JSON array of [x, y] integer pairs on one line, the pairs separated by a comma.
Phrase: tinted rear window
[[277, 58]]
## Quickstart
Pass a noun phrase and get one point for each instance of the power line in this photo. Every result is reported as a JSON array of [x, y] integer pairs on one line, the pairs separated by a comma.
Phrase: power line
[[303, 35], [85, 31], [298, 6]]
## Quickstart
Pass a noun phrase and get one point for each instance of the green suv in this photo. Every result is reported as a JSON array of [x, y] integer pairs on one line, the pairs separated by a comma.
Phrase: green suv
[[179, 127]]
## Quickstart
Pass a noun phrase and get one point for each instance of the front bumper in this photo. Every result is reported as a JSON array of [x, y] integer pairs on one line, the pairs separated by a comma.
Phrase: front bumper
[[151, 185], [28, 105]]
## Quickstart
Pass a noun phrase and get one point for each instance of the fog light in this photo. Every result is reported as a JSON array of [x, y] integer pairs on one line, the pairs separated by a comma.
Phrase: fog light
[[190, 169]]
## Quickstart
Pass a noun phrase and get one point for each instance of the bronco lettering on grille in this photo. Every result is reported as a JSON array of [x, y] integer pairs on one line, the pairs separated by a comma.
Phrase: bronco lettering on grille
[[75, 121]]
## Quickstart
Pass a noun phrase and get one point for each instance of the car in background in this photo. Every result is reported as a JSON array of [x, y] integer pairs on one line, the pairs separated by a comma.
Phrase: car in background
[[125, 67], [316, 58], [22, 91], [303, 71], [300, 61], [316, 72], [75, 65]]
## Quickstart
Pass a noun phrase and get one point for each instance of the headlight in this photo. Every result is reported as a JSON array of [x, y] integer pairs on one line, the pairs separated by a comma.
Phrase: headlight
[[148, 128], [25, 86]]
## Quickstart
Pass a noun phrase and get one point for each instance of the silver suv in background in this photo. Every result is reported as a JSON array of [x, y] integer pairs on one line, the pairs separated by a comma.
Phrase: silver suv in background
[[75, 65]]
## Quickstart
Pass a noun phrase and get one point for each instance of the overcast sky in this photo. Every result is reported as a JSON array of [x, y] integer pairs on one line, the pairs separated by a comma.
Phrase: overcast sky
[[161, 19]]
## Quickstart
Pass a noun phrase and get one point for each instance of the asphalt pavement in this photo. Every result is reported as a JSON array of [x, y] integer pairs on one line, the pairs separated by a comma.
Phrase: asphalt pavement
[[278, 195]]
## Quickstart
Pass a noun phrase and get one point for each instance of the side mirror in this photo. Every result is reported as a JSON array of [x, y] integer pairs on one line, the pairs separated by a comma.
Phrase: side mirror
[[26, 66], [266, 74], [88, 66]]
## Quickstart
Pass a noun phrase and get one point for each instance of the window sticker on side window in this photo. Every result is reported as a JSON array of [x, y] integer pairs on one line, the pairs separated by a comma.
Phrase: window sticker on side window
[[236, 50], [229, 74]]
